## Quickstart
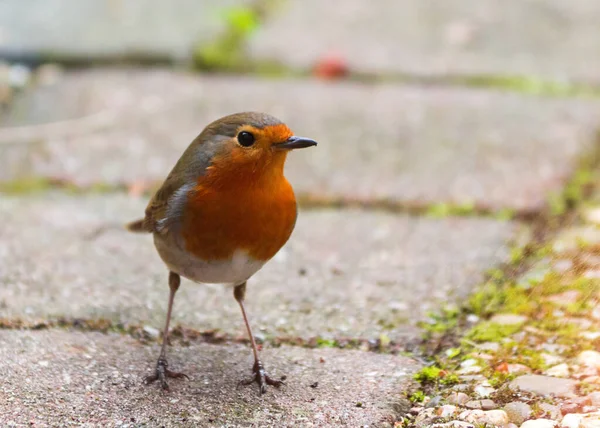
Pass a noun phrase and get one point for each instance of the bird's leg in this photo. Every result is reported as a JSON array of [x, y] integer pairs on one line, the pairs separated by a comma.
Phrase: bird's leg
[[260, 376], [162, 372]]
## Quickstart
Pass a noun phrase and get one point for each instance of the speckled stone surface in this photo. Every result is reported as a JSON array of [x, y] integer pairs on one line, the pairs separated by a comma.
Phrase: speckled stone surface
[[377, 142], [96, 29], [344, 273], [438, 37], [59, 378]]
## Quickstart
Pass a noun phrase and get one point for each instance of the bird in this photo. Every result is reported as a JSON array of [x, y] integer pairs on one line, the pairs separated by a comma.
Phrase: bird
[[224, 210]]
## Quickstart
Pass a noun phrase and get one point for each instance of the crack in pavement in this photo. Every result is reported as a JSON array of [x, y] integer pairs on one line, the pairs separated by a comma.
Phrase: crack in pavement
[[185, 335]]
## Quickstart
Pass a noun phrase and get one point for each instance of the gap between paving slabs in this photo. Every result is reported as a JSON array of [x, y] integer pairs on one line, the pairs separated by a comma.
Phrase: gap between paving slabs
[[67, 245], [230, 52], [527, 340], [421, 261]]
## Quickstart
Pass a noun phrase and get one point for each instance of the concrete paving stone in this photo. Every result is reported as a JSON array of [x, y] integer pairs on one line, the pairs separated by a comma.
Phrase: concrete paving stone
[[550, 39], [59, 378], [344, 273], [91, 29], [399, 143]]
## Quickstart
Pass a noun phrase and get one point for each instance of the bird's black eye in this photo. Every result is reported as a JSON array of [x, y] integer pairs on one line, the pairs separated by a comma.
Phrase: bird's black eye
[[245, 138]]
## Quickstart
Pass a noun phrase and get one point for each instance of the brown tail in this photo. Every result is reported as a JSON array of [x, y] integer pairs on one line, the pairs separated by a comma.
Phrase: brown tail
[[137, 226]]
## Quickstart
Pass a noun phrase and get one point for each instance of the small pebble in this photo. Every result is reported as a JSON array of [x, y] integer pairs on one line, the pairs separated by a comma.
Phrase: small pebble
[[459, 398], [590, 420], [469, 370], [591, 379], [560, 370], [468, 363], [473, 378], [575, 405], [571, 420], [545, 385], [595, 398], [151, 332], [589, 359], [550, 411], [590, 335], [489, 346], [472, 318], [434, 402], [473, 404], [446, 411], [518, 412], [454, 424], [484, 391], [539, 423], [492, 417], [592, 215], [517, 369], [550, 359], [424, 415], [488, 404], [584, 372], [508, 319]]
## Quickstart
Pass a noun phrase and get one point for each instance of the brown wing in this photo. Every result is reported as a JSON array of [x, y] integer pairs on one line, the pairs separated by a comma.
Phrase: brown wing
[[165, 209]]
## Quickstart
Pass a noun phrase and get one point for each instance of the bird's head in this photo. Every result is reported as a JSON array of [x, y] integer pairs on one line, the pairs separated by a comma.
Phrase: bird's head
[[248, 143]]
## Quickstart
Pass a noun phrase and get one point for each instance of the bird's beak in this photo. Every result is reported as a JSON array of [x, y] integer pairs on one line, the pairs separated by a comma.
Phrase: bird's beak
[[295, 143]]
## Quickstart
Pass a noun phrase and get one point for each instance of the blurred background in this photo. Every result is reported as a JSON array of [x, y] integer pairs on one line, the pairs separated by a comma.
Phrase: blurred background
[[416, 103], [455, 138]]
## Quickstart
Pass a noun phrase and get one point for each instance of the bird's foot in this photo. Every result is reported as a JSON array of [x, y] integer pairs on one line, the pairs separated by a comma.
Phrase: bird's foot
[[162, 373], [262, 379]]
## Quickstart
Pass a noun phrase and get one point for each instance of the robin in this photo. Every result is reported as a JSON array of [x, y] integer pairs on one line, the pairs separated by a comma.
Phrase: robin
[[224, 210]]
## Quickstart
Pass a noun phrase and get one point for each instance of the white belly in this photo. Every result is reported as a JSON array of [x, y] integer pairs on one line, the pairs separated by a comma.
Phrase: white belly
[[234, 271]]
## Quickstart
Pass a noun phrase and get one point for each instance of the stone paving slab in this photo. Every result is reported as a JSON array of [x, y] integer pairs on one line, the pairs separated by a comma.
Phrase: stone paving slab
[[344, 273], [57, 378], [92, 29], [550, 39], [399, 143]]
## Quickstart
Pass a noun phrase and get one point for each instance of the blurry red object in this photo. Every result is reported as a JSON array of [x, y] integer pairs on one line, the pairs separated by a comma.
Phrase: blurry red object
[[331, 67], [502, 368]]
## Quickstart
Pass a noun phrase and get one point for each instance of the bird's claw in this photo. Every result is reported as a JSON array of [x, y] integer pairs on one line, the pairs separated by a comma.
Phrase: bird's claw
[[162, 373], [262, 379]]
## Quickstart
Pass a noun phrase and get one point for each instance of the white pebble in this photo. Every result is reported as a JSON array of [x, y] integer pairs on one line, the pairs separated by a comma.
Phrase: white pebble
[[571, 420], [560, 370], [539, 423], [589, 359]]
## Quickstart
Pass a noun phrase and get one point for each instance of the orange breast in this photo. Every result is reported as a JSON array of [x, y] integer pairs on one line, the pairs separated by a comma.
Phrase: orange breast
[[257, 216]]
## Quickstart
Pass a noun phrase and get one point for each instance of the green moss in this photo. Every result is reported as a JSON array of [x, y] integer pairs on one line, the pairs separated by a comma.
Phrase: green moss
[[417, 397], [227, 51], [578, 187], [491, 299], [442, 322], [500, 378], [429, 374], [450, 379], [530, 85], [442, 210], [505, 214], [521, 353], [326, 343], [25, 186], [491, 332]]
